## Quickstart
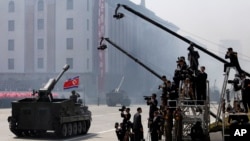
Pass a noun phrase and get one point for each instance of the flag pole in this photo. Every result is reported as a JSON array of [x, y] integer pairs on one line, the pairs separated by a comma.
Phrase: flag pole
[[83, 96]]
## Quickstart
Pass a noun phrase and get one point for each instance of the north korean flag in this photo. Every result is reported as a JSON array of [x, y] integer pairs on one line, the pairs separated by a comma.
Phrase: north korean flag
[[71, 83]]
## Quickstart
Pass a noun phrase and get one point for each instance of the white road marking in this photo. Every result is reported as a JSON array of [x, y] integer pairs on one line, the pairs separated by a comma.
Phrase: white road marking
[[105, 131], [103, 115], [89, 135]]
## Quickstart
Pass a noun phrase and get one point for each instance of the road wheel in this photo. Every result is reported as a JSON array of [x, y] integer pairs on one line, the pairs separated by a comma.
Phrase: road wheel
[[84, 127], [88, 123], [38, 133], [64, 130], [79, 127], [13, 127], [70, 129], [18, 133], [74, 129], [26, 133]]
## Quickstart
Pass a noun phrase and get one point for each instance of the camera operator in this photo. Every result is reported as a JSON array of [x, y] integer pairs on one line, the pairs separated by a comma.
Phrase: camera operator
[[237, 84], [180, 70], [126, 116], [153, 105], [127, 124], [233, 60]]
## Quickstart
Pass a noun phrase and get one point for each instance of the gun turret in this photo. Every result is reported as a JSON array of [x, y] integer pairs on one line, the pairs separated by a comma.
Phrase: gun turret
[[45, 92]]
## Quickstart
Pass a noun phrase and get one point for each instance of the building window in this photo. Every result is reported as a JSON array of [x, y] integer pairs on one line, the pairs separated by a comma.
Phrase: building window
[[70, 4], [11, 7], [69, 43], [40, 24], [70, 23], [87, 44], [40, 43], [11, 25], [69, 61], [87, 24], [88, 64], [40, 5], [87, 5], [40, 63], [11, 45], [11, 63]]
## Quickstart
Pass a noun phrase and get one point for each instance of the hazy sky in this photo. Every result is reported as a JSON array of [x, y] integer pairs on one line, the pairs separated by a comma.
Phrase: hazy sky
[[209, 21]]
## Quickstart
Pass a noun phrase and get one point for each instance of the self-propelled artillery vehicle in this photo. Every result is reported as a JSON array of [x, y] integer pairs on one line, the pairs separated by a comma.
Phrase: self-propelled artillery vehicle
[[118, 96], [43, 113]]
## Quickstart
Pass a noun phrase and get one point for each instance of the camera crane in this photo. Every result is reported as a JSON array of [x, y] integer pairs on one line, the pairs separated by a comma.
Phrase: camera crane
[[118, 15]]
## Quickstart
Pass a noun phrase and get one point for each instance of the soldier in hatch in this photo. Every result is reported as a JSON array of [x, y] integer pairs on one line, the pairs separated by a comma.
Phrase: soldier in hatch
[[74, 96]]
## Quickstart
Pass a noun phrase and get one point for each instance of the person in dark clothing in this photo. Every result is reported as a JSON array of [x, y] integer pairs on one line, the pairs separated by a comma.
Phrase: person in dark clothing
[[74, 96], [155, 127], [172, 95], [153, 106], [197, 132], [126, 119], [119, 131], [201, 85], [193, 57], [126, 116], [180, 71], [233, 60], [163, 86], [181, 63], [245, 92], [137, 125]]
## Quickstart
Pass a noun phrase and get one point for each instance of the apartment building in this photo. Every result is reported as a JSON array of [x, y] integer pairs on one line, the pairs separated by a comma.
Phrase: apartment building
[[38, 37]]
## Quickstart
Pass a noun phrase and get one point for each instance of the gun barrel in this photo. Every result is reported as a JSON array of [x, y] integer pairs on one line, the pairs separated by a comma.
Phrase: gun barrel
[[46, 90], [65, 68]]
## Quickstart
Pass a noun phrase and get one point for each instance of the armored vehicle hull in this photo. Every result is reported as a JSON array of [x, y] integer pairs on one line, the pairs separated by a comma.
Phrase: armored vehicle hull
[[32, 118], [119, 97]]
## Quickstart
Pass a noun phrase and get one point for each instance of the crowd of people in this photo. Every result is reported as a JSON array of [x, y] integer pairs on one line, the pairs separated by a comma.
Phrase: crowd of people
[[241, 84], [189, 83], [127, 130], [188, 80]]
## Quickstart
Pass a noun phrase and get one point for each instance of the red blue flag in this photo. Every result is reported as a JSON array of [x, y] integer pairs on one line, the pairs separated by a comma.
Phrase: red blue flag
[[71, 83]]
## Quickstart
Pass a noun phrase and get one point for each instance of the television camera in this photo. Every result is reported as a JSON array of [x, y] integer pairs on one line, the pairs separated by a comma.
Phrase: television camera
[[122, 109], [126, 116], [235, 82], [147, 97]]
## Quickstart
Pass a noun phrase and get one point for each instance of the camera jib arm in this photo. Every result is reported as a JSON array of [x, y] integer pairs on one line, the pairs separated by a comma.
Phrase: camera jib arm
[[103, 46], [169, 31]]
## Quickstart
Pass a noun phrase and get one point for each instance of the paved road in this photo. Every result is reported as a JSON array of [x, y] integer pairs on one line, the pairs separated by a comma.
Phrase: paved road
[[102, 126]]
